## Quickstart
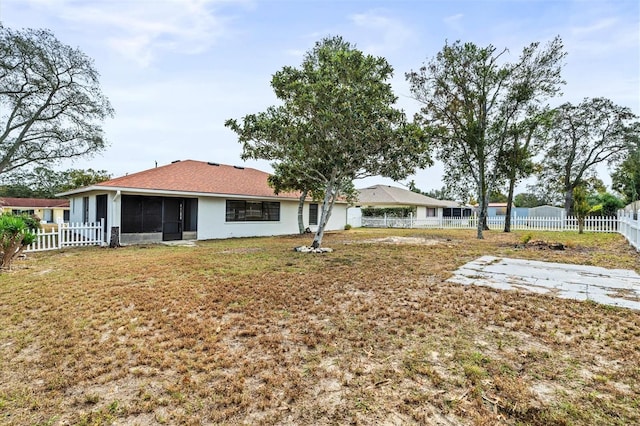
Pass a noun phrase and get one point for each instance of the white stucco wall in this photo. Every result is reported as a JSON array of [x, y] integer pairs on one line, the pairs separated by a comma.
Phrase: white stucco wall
[[212, 222]]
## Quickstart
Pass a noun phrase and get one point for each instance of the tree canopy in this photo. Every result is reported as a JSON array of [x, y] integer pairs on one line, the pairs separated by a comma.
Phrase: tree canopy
[[528, 199], [52, 104], [625, 179], [337, 122], [473, 101], [43, 182], [581, 137]]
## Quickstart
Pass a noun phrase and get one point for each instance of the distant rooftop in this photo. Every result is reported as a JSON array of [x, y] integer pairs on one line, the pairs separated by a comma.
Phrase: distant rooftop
[[390, 195]]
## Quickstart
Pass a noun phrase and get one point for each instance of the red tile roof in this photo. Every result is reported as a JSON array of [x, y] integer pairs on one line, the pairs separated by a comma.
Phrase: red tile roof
[[33, 203], [201, 177]]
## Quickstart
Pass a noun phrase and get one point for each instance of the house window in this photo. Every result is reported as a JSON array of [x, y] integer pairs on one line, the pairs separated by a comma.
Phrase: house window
[[431, 212], [20, 212], [313, 214], [85, 209], [252, 211], [501, 211], [47, 215]]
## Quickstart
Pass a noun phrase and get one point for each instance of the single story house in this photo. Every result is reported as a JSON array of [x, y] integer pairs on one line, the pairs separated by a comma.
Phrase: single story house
[[189, 200], [48, 210], [385, 196]]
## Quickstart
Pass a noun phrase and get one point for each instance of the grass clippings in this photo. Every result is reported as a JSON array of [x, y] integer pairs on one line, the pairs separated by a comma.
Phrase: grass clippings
[[246, 331]]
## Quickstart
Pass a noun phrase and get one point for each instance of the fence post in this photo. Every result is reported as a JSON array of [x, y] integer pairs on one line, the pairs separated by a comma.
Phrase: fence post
[[59, 243], [410, 219]]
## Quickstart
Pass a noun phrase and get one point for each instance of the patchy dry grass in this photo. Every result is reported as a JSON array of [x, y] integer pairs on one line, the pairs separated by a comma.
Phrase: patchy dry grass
[[247, 331]]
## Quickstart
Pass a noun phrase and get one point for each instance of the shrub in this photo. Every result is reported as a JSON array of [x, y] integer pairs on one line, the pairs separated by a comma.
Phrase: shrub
[[16, 233], [347, 227]]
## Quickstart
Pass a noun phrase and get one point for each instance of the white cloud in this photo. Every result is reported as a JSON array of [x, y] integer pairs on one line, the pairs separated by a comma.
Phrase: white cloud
[[141, 30], [389, 34], [602, 24], [454, 22]]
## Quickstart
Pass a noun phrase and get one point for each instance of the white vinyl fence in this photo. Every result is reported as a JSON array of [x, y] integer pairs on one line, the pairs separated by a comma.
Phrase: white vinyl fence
[[630, 228], [591, 224], [69, 235]]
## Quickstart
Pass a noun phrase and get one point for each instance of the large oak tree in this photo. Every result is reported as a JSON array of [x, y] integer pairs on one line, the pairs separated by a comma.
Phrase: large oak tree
[[51, 104], [337, 122], [582, 136], [626, 177], [473, 100]]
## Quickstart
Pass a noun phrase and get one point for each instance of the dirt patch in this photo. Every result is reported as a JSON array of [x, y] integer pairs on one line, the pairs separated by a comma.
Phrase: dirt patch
[[403, 240], [541, 245]]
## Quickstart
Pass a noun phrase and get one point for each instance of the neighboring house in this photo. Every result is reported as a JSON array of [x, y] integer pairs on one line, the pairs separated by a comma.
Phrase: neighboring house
[[188, 200], [383, 196], [48, 210]]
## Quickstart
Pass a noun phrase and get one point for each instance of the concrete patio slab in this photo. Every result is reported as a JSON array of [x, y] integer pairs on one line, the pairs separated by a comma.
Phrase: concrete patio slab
[[616, 287]]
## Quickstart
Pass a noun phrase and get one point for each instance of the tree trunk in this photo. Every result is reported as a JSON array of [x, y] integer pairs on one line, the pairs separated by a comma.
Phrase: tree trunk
[[327, 207], [568, 198], [481, 214], [580, 224], [507, 218], [485, 226], [300, 212]]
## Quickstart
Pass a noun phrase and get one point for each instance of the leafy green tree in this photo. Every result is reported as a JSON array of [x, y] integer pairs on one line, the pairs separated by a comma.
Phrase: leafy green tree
[[472, 99], [516, 158], [336, 123], [625, 179], [605, 204], [581, 206], [52, 105], [443, 193], [581, 137], [528, 199], [43, 182], [16, 233], [497, 197], [78, 178], [17, 191]]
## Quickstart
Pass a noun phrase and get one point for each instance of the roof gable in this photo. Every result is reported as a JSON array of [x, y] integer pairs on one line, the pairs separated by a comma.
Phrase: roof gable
[[199, 177], [33, 202], [391, 195]]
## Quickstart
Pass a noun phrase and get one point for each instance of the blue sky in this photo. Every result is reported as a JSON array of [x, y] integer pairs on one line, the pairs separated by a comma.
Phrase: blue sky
[[176, 70]]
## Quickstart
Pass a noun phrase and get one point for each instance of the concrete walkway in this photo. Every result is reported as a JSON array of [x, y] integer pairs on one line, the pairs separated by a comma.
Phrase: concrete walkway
[[616, 287]]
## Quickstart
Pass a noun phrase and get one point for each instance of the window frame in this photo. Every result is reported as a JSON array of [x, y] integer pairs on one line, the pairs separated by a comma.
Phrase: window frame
[[236, 211], [313, 213], [85, 209]]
